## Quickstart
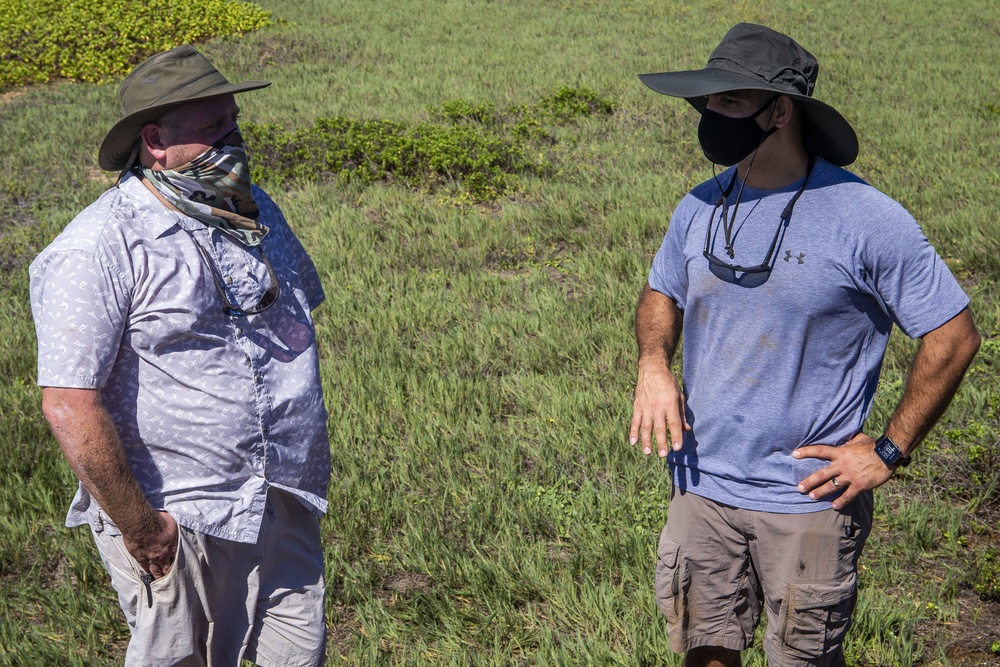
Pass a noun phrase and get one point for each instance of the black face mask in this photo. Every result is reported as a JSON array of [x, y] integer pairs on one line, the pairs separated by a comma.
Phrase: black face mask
[[726, 140]]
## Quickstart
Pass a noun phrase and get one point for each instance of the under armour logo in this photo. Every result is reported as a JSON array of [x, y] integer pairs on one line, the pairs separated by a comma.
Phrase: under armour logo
[[789, 257]]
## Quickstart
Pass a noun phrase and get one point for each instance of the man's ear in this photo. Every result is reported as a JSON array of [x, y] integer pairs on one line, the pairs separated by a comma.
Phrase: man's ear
[[152, 137], [784, 111]]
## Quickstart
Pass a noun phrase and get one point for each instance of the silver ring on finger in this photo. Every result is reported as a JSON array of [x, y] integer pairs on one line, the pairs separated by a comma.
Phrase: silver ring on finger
[[836, 484]]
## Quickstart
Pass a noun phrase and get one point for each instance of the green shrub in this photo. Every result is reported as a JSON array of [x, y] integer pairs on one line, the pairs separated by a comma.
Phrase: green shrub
[[456, 111], [423, 155], [474, 146], [41, 40], [985, 575], [568, 103]]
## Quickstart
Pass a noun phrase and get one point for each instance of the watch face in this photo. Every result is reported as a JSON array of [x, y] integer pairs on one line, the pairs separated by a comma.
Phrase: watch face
[[886, 450], [889, 452]]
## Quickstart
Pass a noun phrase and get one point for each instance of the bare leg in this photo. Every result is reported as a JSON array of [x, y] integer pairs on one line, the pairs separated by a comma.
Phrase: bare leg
[[712, 656]]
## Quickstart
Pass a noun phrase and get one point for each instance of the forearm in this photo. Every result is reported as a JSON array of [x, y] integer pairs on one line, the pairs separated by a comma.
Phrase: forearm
[[938, 368], [658, 408], [90, 443], [658, 324]]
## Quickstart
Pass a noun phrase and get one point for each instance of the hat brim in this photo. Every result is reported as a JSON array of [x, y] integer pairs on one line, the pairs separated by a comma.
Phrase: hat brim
[[825, 132], [120, 140]]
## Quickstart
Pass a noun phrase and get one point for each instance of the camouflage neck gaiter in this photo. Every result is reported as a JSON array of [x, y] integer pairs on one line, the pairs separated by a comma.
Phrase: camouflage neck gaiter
[[214, 187]]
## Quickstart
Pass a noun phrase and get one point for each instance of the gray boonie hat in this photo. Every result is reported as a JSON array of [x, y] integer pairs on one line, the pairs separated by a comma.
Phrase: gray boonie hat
[[157, 85], [758, 58]]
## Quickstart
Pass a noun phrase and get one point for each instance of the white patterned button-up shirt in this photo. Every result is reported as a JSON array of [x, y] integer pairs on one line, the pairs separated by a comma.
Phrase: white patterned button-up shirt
[[211, 409]]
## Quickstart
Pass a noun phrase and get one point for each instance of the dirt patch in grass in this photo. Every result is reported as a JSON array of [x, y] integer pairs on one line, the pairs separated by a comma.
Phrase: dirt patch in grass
[[342, 631], [973, 636], [405, 582], [9, 96]]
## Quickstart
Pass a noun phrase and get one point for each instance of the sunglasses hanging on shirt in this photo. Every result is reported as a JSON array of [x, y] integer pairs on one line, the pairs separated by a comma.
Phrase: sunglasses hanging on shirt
[[727, 224], [268, 299]]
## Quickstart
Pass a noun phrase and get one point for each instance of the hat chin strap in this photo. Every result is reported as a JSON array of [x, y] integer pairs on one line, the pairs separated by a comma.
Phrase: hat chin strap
[[130, 161]]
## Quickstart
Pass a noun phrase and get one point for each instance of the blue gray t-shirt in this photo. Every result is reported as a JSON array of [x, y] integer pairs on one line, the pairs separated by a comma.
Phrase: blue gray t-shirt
[[778, 360]]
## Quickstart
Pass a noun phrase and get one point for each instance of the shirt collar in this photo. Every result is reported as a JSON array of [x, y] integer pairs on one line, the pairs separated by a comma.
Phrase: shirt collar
[[158, 217]]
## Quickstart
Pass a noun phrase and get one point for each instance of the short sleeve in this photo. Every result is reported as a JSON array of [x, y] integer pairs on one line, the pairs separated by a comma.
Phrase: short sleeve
[[80, 306], [668, 274], [912, 281]]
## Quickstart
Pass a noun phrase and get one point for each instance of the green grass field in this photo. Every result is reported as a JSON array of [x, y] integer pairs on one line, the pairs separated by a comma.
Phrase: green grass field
[[478, 360]]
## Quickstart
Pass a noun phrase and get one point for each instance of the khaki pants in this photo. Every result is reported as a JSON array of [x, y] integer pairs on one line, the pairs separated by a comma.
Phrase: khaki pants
[[224, 601]]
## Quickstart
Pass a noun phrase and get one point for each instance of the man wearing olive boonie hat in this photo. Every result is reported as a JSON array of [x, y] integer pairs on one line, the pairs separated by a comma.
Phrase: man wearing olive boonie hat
[[785, 273], [180, 375]]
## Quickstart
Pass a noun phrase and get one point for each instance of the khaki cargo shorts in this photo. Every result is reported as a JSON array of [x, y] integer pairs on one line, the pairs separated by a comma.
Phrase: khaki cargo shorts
[[719, 566]]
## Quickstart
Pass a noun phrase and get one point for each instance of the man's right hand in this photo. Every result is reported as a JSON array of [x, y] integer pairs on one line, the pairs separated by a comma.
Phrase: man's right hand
[[93, 449], [658, 409], [155, 550]]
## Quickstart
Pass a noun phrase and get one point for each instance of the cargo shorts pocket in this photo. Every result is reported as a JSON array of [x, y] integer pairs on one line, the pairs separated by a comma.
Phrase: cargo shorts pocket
[[815, 617], [669, 588], [149, 589]]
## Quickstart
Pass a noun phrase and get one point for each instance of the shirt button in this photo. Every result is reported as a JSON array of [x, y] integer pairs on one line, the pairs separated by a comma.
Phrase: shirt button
[[239, 330], [229, 280], [266, 429], [257, 378]]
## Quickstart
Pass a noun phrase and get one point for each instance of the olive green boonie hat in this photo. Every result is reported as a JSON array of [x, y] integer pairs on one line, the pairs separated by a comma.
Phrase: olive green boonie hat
[[157, 85], [757, 58]]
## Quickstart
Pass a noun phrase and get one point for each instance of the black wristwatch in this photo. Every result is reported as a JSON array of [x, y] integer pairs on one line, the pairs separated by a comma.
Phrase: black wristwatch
[[889, 453]]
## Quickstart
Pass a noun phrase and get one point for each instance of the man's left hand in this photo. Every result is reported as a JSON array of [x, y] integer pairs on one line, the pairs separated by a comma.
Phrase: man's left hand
[[854, 468]]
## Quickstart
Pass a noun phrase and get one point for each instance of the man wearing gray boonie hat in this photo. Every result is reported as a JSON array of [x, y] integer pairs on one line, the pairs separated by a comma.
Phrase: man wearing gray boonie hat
[[180, 376], [786, 274]]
